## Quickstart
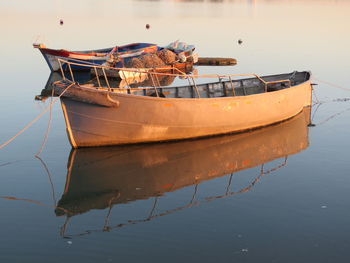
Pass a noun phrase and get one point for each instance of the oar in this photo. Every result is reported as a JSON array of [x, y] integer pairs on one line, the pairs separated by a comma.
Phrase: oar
[[205, 61]]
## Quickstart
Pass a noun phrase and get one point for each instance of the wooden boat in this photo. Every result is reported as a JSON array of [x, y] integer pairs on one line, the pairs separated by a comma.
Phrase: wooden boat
[[105, 116], [98, 56], [98, 178]]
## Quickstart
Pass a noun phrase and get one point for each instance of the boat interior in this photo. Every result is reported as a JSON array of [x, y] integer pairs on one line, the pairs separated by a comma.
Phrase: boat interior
[[175, 86]]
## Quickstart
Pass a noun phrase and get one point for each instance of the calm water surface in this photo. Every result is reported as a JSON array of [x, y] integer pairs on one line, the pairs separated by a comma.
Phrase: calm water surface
[[279, 194]]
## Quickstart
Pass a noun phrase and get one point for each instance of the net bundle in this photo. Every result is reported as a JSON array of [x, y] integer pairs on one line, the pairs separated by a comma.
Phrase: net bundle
[[160, 59], [167, 56]]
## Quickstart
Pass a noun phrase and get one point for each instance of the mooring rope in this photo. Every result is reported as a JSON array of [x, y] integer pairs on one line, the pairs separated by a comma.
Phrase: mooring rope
[[36, 119], [320, 102], [48, 128], [330, 84], [315, 96]]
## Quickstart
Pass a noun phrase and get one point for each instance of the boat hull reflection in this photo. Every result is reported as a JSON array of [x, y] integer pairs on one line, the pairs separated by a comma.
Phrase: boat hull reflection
[[100, 177]]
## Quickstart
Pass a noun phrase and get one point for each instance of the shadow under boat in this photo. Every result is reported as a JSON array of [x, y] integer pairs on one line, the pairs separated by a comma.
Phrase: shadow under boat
[[98, 178]]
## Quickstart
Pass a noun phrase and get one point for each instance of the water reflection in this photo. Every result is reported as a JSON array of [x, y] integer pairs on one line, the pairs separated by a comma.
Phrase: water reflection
[[98, 178]]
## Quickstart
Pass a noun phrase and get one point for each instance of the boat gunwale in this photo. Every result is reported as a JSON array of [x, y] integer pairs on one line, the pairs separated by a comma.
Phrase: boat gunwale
[[82, 52], [106, 51]]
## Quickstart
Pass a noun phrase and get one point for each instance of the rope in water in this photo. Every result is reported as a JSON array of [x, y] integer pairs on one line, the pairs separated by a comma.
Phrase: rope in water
[[332, 117], [36, 119], [12, 198], [329, 84], [319, 102]]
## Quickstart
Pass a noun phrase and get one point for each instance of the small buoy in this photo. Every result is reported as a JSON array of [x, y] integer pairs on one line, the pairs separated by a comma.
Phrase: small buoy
[[61, 22], [240, 41], [147, 26]]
